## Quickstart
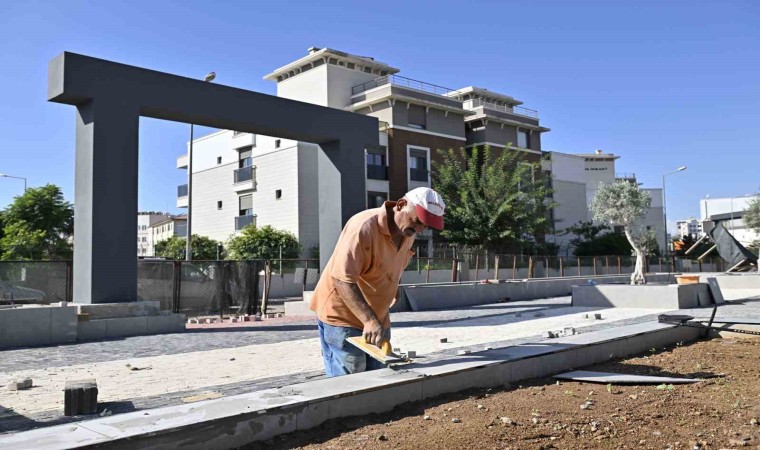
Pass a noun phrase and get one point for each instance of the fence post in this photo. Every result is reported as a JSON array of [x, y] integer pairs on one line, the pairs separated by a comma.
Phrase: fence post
[[477, 266], [250, 273], [306, 275], [620, 266], [176, 286], [606, 265], [594, 266], [496, 267], [700, 264], [675, 268], [69, 294], [454, 270], [220, 289], [578, 258], [514, 266], [427, 271], [531, 268], [561, 268], [418, 260]]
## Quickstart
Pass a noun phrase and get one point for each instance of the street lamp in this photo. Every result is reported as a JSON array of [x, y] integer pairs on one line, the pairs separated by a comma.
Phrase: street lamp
[[188, 243], [664, 210], [2, 175]]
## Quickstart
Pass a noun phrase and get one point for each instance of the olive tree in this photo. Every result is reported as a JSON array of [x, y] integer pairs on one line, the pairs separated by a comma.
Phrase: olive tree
[[623, 203]]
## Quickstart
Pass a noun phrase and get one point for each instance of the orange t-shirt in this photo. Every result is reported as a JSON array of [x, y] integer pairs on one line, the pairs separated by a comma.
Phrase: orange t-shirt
[[366, 255]]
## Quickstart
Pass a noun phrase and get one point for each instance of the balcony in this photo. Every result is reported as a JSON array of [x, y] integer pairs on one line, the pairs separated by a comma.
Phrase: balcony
[[516, 110], [244, 221], [182, 161], [182, 196], [419, 175], [375, 172], [244, 179], [405, 89]]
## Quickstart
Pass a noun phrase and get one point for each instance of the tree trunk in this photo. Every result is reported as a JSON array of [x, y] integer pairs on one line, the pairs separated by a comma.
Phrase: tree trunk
[[637, 277]]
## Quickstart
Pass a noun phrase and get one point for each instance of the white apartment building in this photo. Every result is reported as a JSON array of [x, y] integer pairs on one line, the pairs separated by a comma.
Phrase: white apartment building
[[145, 242], [171, 226], [241, 179], [575, 180], [689, 227], [730, 212]]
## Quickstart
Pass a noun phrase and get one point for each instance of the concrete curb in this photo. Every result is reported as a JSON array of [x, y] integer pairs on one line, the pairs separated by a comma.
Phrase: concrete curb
[[261, 415]]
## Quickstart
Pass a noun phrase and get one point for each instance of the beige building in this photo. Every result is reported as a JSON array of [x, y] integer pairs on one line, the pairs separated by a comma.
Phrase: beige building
[[171, 226], [145, 242]]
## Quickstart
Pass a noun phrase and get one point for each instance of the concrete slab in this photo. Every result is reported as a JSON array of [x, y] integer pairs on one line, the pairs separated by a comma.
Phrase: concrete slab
[[91, 330], [621, 378], [671, 296], [62, 437], [117, 310], [25, 326], [126, 326], [453, 295], [165, 323], [63, 324]]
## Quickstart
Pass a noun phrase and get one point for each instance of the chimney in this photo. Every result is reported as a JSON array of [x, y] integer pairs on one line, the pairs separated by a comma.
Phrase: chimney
[[598, 152], [313, 50]]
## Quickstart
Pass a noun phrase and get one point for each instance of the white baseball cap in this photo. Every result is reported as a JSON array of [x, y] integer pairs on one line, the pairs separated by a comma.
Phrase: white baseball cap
[[429, 205]]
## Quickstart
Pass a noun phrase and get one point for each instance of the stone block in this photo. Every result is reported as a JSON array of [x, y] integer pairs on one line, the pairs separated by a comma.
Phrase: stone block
[[482, 377], [20, 384], [80, 397]]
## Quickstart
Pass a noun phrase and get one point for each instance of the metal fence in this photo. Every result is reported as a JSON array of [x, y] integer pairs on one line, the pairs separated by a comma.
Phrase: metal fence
[[189, 287], [243, 287]]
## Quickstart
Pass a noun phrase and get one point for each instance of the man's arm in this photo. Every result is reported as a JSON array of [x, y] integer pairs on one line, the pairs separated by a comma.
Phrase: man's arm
[[354, 299]]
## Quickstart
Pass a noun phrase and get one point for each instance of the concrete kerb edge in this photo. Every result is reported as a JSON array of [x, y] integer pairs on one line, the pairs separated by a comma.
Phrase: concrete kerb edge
[[298, 412]]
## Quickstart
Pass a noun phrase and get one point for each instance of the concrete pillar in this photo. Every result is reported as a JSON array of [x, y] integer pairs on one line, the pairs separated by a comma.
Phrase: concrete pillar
[[105, 202]]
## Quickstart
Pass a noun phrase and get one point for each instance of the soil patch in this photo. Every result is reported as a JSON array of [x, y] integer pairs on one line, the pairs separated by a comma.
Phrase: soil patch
[[721, 412]]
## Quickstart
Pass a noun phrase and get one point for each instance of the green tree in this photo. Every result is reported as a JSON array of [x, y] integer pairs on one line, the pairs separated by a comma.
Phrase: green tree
[[624, 204], [752, 215], [204, 249], [38, 225], [263, 243], [494, 200], [596, 240]]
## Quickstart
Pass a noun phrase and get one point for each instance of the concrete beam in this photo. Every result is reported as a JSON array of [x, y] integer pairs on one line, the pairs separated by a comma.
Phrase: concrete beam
[[110, 97]]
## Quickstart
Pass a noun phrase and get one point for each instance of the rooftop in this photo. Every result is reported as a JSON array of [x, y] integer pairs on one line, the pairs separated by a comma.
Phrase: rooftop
[[336, 57]]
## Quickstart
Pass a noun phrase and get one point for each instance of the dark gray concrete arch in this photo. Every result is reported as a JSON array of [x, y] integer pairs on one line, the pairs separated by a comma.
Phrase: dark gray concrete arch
[[110, 97]]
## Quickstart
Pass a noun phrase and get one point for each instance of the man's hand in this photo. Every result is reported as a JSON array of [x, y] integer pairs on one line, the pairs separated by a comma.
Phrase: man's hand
[[373, 332]]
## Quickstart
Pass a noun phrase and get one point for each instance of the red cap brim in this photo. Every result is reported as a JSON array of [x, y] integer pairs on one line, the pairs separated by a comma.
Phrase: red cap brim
[[430, 220]]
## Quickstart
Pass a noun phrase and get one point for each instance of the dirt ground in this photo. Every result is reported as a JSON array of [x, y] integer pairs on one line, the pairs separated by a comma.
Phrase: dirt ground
[[721, 412]]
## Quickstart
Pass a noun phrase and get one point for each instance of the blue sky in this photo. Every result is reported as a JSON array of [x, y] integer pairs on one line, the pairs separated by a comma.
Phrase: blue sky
[[662, 84]]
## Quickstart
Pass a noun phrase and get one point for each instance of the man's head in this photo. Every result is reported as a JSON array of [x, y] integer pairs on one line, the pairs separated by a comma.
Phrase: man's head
[[420, 208]]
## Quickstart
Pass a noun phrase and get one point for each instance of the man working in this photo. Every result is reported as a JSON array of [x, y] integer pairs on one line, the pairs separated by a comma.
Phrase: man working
[[360, 281]]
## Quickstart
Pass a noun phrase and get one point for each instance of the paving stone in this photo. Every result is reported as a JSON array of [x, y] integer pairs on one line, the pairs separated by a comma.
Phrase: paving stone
[[20, 385], [80, 397]]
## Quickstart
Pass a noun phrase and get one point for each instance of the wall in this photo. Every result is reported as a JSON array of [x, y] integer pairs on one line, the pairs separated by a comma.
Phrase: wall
[[309, 86], [308, 197], [571, 197], [340, 80], [598, 172], [398, 158], [277, 169], [209, 187]]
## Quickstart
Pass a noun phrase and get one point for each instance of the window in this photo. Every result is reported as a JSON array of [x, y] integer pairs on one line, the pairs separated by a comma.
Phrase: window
[[417, 117], [418, 165], [376, 199], [277, 143], [376, 163], [523, 138], [145, 239], [218, 160], [219, 204], [244, 158], [245, 205]]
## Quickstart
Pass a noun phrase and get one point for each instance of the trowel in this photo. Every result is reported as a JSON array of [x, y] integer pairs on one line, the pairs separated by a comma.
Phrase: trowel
[[384, 353]]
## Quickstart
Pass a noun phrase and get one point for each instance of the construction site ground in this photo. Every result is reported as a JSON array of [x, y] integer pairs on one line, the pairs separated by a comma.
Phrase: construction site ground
[[721, 412]]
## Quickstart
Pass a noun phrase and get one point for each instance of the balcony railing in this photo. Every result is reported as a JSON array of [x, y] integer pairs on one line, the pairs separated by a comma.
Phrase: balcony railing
[[419, 175], [245, 174], [243, 221], [182, 190], [519, 110], [406, 82], [375, 172], [625, 176]]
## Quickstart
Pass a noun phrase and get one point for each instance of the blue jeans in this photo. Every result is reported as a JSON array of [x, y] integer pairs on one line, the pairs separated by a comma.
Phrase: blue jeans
[[340, 357]]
